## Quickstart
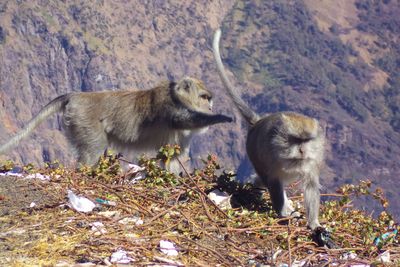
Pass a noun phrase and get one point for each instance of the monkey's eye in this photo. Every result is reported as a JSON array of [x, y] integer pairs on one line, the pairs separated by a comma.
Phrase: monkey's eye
[[295, 140], [205, 97]]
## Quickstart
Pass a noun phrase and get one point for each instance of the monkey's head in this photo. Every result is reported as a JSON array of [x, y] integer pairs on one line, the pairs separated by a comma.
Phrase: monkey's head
[[193, 94], [301, 126], [301, 137]]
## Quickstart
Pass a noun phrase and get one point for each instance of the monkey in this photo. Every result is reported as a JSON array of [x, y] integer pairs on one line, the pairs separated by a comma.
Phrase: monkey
[[130, 120], [281, 146]]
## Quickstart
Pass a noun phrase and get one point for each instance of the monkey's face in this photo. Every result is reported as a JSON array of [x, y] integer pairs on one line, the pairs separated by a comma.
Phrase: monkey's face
[[194, 95], [304, 149], [299, 138], [205, 102]]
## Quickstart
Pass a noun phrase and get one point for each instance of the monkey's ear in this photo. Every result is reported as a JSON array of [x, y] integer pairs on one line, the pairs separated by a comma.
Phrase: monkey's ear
[[186, 83], [286, 118]]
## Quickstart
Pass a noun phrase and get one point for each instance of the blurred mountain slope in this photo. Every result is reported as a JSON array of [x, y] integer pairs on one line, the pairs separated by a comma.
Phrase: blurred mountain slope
[[337, 62]]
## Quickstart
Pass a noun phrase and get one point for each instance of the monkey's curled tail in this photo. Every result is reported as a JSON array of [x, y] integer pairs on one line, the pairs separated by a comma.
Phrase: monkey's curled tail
[[249, 114], [54, 106]]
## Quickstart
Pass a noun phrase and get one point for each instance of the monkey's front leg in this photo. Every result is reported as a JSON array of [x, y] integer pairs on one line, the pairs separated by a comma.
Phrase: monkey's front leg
[[194, 120], [280, 202]]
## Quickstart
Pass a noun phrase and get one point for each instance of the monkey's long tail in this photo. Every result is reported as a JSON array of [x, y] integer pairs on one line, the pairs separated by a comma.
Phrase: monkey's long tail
[[54, 106], [249, 114]]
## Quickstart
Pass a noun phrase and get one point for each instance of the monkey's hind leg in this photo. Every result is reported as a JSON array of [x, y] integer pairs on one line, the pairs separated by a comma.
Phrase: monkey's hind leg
[[89, 147], [181, 164], [90, 154], [311, 201]]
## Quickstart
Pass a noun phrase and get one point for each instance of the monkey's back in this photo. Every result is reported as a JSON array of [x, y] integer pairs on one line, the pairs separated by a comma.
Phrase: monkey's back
[[118, 113]]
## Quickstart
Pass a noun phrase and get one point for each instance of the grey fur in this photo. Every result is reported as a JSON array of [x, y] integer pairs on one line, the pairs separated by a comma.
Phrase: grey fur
[[282, 146], [250, 116], [52, 107], [130, 121]]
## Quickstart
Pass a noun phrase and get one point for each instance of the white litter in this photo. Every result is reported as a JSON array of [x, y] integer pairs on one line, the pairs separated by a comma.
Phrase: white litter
[[168, 248], [79, 203], [135, 220], [29, 176], [136, 172], [38, 176], [133, 168], [121, 256], [349, 256], [11, 174], [220, 198], [276, 254], [109, 213], [137, 178], [33, 204], [98, 228], [299, 263], [384, 257]]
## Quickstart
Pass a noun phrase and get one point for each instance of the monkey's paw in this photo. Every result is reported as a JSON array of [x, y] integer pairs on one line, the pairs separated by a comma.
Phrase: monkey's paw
[[296, 215], [322, 237]]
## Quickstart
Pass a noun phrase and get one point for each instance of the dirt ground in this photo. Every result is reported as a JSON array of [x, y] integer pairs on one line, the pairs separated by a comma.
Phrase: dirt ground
[[16, 197], [17, 194]]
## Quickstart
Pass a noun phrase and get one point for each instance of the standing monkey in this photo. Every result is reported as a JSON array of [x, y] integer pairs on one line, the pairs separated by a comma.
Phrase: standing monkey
[[281, 146], [130, 120]]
